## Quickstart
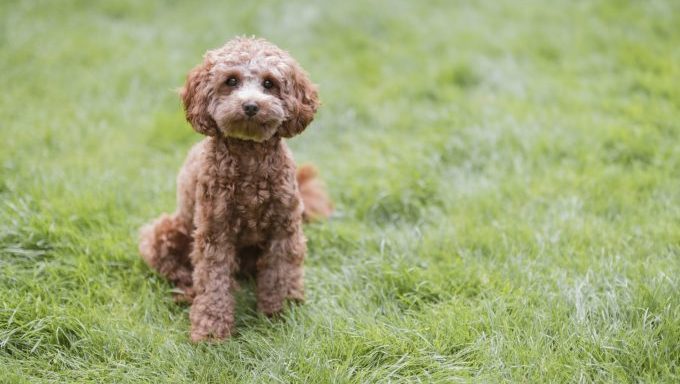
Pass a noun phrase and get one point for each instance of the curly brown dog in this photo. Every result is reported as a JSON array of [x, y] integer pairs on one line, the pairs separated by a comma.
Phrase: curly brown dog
[[240, 204]]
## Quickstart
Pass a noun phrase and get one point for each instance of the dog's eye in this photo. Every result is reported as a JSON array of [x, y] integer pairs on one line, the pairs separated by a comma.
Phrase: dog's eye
[[232, 81], [267, 84]]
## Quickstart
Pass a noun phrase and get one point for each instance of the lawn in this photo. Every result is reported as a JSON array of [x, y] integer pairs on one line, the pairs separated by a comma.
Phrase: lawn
[[506, 176]]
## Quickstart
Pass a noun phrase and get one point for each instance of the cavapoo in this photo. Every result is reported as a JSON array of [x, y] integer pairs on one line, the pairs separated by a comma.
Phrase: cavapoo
[[240, 201]]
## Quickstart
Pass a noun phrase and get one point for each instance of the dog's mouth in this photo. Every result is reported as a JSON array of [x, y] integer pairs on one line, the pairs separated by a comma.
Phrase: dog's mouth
[[250, 129]]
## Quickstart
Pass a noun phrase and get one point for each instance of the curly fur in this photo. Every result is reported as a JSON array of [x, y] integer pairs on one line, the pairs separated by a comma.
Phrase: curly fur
[[240, 203]]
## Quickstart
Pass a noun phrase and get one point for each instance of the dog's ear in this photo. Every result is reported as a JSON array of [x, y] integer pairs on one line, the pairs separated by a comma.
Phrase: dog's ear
[[302, 101], [196, 97]]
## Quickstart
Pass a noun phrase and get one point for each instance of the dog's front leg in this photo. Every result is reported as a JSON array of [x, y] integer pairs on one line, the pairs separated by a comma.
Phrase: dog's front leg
[[212, 311], [280, 272]]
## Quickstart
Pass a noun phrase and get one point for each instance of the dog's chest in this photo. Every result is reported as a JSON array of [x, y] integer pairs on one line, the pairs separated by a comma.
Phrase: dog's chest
[[255, 189], [254, 206]]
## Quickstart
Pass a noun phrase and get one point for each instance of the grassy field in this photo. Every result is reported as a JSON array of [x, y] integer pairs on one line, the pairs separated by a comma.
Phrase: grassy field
[[507, 178]]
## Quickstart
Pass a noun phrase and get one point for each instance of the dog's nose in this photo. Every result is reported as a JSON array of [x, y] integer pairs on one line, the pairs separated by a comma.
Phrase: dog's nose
[[250, 109]]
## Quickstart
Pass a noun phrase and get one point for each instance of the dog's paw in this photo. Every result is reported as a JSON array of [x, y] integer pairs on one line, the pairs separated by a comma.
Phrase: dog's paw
[[296, 295], [215, 332], [211, 319]]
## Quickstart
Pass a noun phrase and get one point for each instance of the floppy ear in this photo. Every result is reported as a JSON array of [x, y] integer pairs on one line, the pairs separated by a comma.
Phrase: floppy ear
[[302, 100], [196, 97]]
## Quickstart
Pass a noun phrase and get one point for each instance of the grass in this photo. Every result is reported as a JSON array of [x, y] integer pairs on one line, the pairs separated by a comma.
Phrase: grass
[[507, 178]]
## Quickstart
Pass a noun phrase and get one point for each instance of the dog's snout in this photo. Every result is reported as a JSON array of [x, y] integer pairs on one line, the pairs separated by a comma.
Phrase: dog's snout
[[250, 109]]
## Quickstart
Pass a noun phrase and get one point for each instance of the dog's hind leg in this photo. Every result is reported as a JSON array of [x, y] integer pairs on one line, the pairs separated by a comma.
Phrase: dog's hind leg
[[165, 244]]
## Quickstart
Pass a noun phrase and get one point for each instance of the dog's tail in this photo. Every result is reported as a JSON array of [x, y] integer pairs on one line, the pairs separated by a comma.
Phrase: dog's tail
[[314, 197]]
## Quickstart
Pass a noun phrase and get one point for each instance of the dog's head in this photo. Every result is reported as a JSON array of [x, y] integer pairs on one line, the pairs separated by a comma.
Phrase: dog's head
[[249, 89]]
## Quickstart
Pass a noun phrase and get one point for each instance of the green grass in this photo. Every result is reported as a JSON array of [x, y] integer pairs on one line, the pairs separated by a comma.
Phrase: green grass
[[507, 178]]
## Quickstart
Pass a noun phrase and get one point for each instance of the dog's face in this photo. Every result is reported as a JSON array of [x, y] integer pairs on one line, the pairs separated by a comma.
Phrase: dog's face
[[249, 89]]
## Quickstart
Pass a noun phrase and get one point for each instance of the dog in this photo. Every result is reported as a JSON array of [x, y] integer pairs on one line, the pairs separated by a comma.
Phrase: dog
[[240, 201]]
